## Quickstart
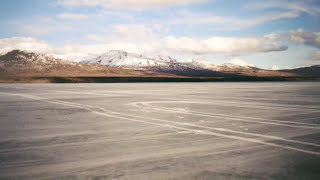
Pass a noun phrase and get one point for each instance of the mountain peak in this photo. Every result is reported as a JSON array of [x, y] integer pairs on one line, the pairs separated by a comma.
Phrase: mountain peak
[[24, 63], [19, 62], [165, 59], [236, 62], [119, 58], [114, 51], [203, 65], [113, 54], [17, 54]]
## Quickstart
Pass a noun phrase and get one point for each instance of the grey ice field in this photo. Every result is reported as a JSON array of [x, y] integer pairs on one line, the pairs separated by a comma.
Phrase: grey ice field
[[160, 131]]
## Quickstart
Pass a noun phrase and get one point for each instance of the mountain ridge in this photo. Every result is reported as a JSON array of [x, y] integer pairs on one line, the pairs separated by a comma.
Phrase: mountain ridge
[[122, 64], [167, 64], [25, 63]]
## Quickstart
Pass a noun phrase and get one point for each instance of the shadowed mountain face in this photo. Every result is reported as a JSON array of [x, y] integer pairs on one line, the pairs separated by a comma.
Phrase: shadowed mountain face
[[312, 71], [21, 63]]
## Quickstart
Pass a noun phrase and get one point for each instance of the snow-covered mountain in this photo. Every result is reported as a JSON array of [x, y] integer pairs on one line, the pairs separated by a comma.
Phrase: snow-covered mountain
[[24, 63], [119, 63], [169, 65], [202, 65], [167, 59], [122, 59]]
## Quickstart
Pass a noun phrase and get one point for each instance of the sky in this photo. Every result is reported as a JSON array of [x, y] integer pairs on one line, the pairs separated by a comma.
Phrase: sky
[[267, 34]]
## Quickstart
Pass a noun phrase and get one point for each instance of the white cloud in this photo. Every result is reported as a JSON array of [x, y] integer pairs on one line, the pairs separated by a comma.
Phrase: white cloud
[[213, 45], [39, 25], [228, 23], [72, 16], [274, 67], [114, 14], [126, 33], [315, 56], [128, 4], [74, 52], [151, 44], [144, 38], [240, 62], [299, 36], [310, 7], [134, 32], [303, 37], [93, 37], [140, 39], [23, 43]]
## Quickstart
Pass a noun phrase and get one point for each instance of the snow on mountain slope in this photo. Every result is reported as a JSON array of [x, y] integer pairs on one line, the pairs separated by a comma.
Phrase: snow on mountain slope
[[167, 64], [24, 63], [122, 59], [237, 63], [201, 65], [29, 59], [167, 59]]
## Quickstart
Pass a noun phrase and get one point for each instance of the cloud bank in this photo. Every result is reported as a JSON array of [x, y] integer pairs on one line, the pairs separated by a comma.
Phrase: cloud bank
[[143, 40], [72, 16], [128, 4], [303, 37], [308, 6], [228, 23]]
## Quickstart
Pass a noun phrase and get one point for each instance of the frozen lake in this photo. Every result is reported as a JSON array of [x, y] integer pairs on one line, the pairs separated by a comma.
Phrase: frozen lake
[[160, 130]]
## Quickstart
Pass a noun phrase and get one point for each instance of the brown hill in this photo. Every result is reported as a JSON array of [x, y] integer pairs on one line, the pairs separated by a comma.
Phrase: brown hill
[[22, 66], [29, 64], [311, 71]]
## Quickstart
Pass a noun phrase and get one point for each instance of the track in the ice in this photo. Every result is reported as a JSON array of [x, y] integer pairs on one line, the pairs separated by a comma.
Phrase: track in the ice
[[194, 130]]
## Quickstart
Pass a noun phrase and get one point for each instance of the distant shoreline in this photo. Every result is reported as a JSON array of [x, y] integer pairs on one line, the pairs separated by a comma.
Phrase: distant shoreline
[[17, 79]]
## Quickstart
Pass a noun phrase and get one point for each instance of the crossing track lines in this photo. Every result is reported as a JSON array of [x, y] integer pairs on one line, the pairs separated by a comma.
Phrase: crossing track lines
[[224, 116], [189, 127], [90, 93], [267, 106], [220, 102]]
